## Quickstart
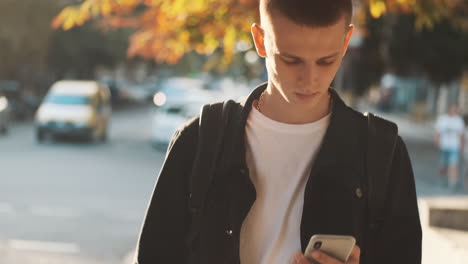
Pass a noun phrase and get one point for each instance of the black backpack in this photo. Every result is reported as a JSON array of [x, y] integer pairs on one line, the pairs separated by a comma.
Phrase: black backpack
[[214, 118]]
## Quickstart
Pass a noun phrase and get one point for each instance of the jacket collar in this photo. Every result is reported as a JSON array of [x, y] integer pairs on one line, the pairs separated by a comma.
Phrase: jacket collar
[[340, 140]]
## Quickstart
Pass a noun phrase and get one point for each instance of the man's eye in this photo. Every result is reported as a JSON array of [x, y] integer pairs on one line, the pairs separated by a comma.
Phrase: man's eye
[[325, 63], [291, 62]]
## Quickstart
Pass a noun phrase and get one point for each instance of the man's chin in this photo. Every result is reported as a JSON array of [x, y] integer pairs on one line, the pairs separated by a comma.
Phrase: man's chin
[[307, 102]]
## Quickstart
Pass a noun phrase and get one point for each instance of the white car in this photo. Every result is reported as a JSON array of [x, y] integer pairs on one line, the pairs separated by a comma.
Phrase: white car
[[167, 119], [178, 100], [74, 108]]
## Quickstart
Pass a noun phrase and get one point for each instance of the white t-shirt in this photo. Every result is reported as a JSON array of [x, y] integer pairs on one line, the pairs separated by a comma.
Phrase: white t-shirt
[[451, 128], [280, 157]]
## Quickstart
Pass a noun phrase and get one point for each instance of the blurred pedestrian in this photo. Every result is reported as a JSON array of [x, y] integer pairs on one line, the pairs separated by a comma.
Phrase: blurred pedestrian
[[294, 161], [450, 139]]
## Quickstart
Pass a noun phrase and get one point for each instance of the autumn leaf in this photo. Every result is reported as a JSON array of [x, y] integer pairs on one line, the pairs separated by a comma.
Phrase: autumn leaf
[[377, 8]]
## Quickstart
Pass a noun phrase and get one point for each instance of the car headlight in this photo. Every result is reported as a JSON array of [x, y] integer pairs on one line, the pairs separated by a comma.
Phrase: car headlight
[[3, 103], [159, 99]]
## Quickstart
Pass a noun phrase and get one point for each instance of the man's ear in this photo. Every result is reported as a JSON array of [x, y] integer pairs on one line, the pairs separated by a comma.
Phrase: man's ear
[[347, 38], [258, 36]]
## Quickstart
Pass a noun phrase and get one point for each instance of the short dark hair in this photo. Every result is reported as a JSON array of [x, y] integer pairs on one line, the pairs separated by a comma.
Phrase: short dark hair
[[315, 13]]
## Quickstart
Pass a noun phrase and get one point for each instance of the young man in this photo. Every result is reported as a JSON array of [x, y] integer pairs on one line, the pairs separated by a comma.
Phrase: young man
[[450, 138], [298, 165]]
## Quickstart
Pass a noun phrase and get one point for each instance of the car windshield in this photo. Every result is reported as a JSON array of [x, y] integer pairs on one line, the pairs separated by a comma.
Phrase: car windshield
[[68, 99]]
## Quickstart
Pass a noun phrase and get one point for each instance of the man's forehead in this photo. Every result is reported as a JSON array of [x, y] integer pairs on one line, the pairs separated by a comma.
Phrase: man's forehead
[[306, 41]]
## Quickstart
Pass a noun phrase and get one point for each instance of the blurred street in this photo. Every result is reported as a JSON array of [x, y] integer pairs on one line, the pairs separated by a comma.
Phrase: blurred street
[[75, 202]]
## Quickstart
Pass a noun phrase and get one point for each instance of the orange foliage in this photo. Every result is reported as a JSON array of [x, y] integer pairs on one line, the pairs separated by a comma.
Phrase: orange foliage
[[167, 29]]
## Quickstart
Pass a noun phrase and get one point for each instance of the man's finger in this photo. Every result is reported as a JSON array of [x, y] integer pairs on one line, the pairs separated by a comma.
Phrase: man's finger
[[356, 252], [299, 259], [323, 258], [355, 255]]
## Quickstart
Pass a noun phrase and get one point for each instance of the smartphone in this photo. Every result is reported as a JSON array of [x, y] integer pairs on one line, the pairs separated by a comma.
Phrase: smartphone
[[336, 246]]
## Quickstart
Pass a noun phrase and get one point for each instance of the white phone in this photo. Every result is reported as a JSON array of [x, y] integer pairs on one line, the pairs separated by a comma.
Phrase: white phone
[[336, 246]]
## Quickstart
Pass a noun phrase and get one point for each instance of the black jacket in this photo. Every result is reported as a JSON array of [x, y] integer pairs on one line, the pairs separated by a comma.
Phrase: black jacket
[[334, 199]]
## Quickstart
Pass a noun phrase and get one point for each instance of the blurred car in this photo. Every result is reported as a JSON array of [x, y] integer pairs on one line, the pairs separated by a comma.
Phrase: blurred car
[[4, 114], [74, 108], [168, 119], [182, 89], [178, 100], [11, 89], [113, 89]]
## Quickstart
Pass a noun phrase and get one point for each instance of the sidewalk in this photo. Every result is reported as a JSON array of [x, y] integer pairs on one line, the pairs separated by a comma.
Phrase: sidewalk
[[441, 245]]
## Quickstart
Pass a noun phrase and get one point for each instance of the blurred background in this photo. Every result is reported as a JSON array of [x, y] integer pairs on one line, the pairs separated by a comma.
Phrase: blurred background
[[91, 92]]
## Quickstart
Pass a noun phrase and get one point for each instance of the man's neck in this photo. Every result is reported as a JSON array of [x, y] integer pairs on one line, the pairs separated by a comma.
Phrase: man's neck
[[275, 107]]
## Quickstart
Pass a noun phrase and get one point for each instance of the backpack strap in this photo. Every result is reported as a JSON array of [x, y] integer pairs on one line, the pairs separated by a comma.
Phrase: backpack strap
[[382, 139], [213, 122]]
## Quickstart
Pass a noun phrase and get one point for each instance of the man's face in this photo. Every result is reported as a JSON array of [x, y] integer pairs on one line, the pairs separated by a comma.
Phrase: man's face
[[301, 61]]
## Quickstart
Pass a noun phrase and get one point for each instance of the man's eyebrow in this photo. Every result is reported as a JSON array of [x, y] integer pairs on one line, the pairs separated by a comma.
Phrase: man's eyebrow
[[330, 56], [285, 54]]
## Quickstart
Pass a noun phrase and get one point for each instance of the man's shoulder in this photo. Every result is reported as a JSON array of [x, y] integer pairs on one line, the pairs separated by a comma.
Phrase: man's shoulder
[[190, 126], [355, 114], [362, 118]]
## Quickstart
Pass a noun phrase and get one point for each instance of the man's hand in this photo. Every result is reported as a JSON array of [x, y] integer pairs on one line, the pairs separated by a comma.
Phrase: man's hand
[[322, 258]]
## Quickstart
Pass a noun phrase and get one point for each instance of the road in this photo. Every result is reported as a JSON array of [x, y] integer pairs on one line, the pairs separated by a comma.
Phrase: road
[[75, 202]]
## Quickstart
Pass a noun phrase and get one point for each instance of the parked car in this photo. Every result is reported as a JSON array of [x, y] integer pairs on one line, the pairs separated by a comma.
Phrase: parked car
[[18, 109], [178, 100], [168, 119], [75, 108], [4, 114], [113, 89], [178, 88]]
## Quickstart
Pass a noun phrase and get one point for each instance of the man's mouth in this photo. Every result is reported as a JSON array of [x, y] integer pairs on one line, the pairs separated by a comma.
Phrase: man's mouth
[[306, 96]]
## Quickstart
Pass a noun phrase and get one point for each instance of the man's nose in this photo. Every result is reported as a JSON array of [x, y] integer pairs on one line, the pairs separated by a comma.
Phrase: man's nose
[[308, 75]]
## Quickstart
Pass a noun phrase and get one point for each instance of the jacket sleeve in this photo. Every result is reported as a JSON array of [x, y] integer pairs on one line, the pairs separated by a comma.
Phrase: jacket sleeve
[[400, 238], [165, 227]]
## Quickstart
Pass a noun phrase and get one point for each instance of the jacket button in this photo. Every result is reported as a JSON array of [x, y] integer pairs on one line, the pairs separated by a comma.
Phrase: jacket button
[[359, 193], [229, 232], [242, 171]]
